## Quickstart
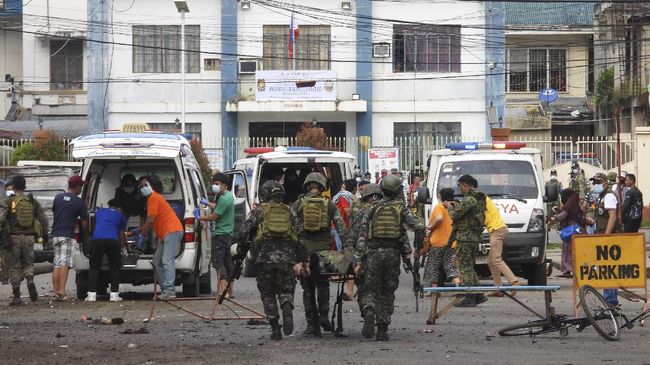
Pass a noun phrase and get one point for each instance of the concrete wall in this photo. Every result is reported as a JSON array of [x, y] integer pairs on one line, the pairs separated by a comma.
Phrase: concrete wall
[[431, 97], [156, 98], [11, 46]]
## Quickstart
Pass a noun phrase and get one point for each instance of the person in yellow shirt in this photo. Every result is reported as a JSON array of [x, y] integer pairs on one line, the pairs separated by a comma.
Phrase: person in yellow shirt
[[498, 231], [439, 230]]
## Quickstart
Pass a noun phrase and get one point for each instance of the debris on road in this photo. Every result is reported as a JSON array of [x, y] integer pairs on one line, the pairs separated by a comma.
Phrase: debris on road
[[130, 331]]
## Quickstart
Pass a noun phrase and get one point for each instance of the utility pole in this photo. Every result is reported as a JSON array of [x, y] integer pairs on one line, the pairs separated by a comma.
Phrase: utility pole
[[97, 85], [495, 63]]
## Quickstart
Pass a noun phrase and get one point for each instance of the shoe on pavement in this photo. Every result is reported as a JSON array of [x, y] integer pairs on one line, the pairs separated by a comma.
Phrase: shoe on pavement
[[33, 294], [115, 297], [16, 301], [467, 301], [326, 324], [165, 295], [369, 324], [382, 332], [480, 298], [287, 319], [91, 296]]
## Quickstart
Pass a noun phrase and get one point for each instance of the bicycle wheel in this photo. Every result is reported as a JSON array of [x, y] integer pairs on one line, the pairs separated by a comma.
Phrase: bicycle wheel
[[531, 328], [599, 314]]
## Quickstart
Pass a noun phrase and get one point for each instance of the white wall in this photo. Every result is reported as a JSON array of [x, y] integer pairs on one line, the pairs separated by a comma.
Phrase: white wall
[[157, 97], [11, 47], [433, 97]]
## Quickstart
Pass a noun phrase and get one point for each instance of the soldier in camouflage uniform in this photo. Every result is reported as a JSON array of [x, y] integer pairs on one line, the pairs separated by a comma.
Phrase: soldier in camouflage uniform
[[468, 217], [313, 216], [280, 255], [24, 225], [380, 245], [578, 182]]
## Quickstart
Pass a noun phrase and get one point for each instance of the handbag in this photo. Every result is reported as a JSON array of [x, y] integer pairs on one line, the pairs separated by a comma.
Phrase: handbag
[[567, 232]]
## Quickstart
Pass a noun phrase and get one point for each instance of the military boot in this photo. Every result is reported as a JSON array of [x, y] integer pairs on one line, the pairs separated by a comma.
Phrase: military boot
[[369, 323], [468, 300], [276, 333], [382, 332], [16, 300], [480, 298], [324, 307], [33, 294], [287, 318]]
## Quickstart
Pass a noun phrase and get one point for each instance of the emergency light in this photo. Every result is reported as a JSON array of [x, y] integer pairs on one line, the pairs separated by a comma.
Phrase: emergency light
[[470, 146], [260, 150]]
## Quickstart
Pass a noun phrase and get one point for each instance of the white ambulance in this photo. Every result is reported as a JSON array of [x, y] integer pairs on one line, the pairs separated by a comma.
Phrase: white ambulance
[[107, 157], [511, 175]]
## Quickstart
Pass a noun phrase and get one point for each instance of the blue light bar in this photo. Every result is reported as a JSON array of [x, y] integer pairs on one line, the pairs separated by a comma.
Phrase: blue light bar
[[300, 149], [462, 146]]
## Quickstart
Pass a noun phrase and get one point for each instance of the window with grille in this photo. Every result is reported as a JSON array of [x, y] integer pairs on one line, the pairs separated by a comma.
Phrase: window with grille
[[426, 48], [532, 70], [192, 128], [447, 131], [66, 65], [157, 48], [311, 50]]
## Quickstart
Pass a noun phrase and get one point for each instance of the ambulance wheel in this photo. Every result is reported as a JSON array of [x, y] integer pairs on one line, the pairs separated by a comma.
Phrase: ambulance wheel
[[536, 274]]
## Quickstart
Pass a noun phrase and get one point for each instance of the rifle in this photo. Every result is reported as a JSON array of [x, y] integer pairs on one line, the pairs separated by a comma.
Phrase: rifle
[[238, 259], [314, 275], [338, 305], [414, 269]]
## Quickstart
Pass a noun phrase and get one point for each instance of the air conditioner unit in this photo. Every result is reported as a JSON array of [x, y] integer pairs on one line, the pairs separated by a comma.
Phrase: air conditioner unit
[[381, 50], [247, 66]]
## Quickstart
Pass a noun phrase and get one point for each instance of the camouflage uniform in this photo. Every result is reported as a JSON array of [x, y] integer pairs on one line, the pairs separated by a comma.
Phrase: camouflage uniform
[[317, 242], [578, 184], [552, 186], [468, 218], [19, 258], [382, 258]]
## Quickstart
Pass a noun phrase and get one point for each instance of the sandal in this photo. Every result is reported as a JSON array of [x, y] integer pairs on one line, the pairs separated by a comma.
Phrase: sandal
[[515, 283], [61, 298], [496, 294]]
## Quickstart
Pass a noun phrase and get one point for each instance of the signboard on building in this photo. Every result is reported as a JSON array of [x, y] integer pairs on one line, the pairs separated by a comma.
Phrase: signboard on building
[[380, 158], [295, 85]]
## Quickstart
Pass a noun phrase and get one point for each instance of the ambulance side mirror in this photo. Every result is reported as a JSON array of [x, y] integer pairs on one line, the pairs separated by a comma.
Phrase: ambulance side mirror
[[424, 196]]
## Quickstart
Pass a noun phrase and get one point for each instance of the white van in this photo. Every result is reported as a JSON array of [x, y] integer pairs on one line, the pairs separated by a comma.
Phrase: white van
[[512, 176], [109, 156], [264, 163]]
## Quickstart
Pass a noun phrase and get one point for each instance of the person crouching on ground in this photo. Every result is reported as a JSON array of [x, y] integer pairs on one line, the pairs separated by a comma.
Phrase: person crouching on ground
[[108, 238], [440, 227]]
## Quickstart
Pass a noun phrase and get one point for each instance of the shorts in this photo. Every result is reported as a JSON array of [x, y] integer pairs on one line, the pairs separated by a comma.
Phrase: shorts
[[64, 249], [221, 259]]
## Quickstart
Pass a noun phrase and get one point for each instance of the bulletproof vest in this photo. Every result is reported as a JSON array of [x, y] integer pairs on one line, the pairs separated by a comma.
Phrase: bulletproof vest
[[276, 222], [602, 215], [386, 221], [314, 214], [552, 190], [22, 210]]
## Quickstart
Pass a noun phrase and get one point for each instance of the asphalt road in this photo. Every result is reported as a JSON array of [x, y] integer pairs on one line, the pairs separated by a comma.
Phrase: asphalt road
[[55, 333]]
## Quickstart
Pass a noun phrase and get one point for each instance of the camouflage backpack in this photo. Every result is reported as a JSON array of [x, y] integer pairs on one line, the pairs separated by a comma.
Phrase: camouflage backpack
[[314, 214], [276, 222], [22, 210], [385, 223]]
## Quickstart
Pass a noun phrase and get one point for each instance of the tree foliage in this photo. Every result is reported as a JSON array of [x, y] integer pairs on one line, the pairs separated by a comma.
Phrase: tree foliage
[[310, 135], [201, 159], [46, 147], [604, 92]]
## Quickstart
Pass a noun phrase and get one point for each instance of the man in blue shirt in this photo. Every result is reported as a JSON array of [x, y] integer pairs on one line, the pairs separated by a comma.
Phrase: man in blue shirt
[[67, 208], [108, 238]]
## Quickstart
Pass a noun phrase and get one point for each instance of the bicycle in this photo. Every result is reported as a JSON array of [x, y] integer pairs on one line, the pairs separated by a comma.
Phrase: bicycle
[[607, 321]]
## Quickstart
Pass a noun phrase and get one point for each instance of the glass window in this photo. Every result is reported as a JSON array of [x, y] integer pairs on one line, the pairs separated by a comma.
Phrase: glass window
[[157, 48], [66, 65], [311, 47], [426, 48], [495, 177], [532, 70]]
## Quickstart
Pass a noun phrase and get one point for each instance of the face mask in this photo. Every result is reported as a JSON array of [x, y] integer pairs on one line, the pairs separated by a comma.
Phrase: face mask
[[553, 177], [358, 179], [9, 192], [146, 190], [597, 188], [574, 171], [129, 189], [216, 188]]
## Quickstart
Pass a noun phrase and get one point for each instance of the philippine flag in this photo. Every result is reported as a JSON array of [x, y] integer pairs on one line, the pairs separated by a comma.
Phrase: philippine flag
[[293, 35]]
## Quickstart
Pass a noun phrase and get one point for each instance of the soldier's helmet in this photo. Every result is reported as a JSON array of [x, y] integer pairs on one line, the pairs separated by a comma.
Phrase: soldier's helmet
[[611, 177], [371, 189], [270, 189], [391, 183], [315, 177]]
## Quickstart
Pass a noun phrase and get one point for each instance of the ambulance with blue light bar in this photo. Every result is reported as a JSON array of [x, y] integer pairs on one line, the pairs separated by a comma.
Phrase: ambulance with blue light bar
[[107, 157], [272, 163], [511, 175]]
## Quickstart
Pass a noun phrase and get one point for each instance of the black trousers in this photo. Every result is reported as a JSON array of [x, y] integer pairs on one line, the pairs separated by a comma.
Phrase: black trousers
[[631, 225], [112, 250]]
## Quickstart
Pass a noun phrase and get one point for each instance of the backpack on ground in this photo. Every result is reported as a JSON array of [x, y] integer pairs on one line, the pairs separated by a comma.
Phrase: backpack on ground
[[314, 214], [22, 210], [385, 223]]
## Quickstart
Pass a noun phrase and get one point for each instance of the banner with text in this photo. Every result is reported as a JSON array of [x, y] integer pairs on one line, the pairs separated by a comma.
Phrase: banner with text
[[380, 158], [295, 85], [609, 260]]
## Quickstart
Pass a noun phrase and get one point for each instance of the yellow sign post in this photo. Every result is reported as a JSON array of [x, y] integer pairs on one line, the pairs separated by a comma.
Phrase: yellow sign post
[[609, 261]]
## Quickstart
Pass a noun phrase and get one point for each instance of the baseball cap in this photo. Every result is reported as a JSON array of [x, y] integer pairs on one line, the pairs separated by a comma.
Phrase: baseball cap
[[599, 177], [75, 180]]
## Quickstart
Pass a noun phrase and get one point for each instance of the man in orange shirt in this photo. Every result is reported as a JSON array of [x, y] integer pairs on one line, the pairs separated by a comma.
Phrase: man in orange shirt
[[440, 227], [167, 227]]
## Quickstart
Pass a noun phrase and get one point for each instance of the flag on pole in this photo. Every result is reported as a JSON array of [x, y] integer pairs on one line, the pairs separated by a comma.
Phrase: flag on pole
[[293, 35]]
